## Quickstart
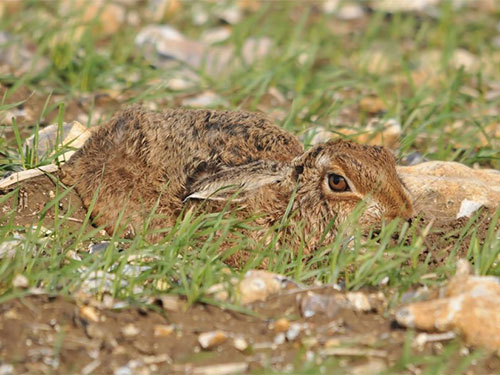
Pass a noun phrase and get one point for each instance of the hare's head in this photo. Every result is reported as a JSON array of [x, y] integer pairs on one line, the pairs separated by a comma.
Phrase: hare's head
[[336, 177], [330, 181]]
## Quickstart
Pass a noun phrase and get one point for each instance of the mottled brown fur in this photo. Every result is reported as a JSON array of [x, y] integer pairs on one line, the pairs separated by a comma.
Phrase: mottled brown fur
[[181, 157]]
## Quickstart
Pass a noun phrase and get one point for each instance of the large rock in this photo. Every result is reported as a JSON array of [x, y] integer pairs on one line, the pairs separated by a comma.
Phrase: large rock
[[469, 306], [450, 189], [50, 138]]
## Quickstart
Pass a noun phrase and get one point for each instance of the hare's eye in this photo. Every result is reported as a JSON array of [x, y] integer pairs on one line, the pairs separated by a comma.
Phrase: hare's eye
[[337, 183]]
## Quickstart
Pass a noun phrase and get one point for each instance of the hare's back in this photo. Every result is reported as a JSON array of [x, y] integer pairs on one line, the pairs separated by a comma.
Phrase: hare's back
[[176, 143], [226, 137]]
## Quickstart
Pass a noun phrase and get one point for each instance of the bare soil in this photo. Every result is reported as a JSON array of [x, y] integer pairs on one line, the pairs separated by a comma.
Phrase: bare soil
[[30, 203], [43, 334], [449, 239]]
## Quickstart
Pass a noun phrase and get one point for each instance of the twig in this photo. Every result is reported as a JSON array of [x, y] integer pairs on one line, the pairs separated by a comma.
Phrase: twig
[[354, 352], [24, 175], [74, 219]]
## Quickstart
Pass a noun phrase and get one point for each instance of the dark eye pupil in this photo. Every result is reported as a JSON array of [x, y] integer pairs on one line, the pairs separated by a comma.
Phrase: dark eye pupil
[[337, 183]]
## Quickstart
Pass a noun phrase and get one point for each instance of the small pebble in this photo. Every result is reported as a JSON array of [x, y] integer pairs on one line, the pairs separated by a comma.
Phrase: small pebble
[[11, 314], [293, 332], [172, 303], [372, 105], [384, 281], [163, 330], [313, 303], [231, 15], [162, 285], [359, 301], [20, 281], [89, 313], [218, 291], [257, 285], [216, 35], [71, 254], [281, 325], [130, 330], [330, 343], [279, 339], [240, 343], [124, 370], [209, 340], [98, 247]]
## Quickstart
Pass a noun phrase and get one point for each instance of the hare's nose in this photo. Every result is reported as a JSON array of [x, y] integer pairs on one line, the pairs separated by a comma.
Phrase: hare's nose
[[406, 214], [410, 215]]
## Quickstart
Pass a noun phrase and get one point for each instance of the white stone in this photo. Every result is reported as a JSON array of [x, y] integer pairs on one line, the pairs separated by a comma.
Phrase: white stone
[[467, 208]]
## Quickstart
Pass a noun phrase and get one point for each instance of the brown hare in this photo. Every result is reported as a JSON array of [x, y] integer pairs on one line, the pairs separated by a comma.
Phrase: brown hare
[[180, 158]]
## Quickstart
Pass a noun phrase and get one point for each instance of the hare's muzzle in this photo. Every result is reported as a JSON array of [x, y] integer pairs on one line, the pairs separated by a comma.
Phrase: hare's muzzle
[[404, 212]]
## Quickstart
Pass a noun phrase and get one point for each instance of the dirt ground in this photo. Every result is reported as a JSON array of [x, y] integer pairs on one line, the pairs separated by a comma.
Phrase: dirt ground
[[34, 194], [41, 334], [44, 334], [442, 239]]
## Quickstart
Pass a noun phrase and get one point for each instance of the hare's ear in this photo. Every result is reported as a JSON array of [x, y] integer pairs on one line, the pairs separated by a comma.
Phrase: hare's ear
[[236, 183]]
